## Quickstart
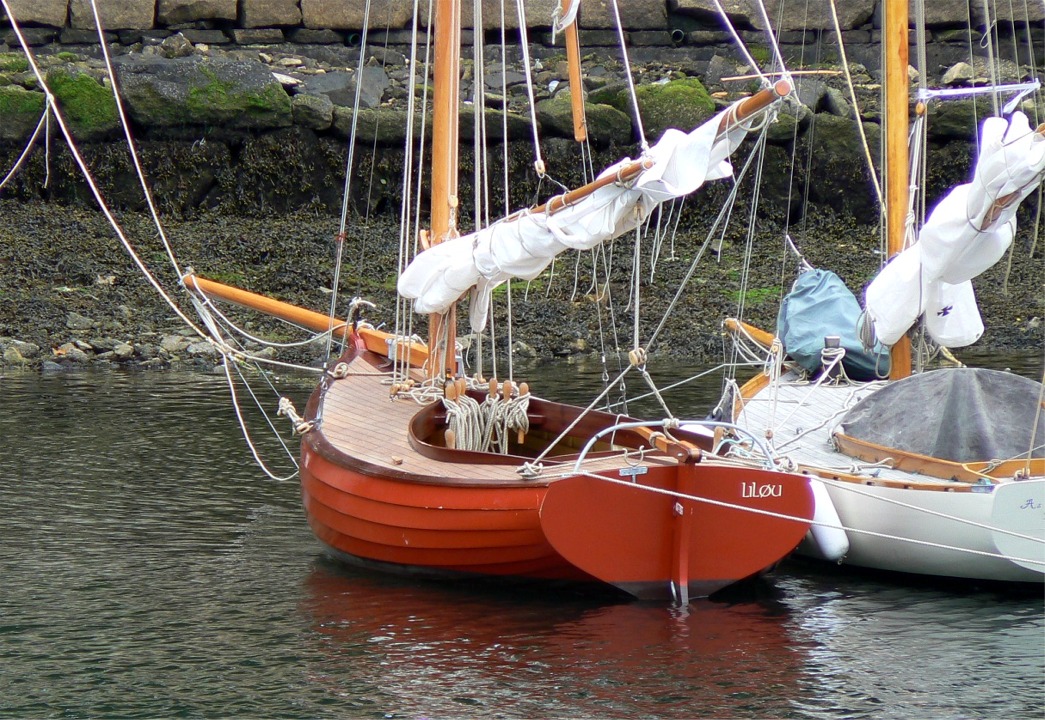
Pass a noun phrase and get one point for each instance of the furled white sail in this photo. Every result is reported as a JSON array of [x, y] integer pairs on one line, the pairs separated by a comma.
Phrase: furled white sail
[[967, 232], [523, 245]]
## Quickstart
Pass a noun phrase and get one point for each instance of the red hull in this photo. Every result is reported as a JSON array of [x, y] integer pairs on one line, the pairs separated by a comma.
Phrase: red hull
[[390, 494], [476, 530]]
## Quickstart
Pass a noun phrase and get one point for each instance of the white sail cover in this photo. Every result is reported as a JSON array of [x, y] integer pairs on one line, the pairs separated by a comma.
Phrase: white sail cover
[[522, 246], [966, 233]]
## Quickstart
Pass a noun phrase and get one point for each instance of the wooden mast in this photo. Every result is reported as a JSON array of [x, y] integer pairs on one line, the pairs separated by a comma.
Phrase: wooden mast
[[896, 48], [573, 58], [447, 41]]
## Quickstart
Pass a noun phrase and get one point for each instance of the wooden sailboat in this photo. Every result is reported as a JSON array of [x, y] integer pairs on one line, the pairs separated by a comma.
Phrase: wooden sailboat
[[941, 473], [392, 479]]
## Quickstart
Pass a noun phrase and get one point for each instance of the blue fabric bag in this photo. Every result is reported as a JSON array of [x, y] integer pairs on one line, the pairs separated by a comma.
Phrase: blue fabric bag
[[819, 305]]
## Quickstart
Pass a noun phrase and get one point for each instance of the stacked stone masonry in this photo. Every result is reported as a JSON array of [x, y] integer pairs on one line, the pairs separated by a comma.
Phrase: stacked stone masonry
[[666, 16]]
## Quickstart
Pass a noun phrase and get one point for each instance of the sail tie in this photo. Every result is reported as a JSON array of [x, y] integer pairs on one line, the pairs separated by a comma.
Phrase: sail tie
[[286, 409]]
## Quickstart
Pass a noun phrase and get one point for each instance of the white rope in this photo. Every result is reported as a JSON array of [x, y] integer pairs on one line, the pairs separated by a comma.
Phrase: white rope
[[29, 145], [131, 147], [409, 222], [591, 406], [246, 432], [524, 43], [738, 42], [89, 178], [631, 80], [852, 98], [561, 20], [721, 220]]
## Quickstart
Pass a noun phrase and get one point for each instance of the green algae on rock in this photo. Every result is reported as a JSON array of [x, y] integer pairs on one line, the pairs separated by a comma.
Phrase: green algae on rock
[[194, 91], [88, 106]]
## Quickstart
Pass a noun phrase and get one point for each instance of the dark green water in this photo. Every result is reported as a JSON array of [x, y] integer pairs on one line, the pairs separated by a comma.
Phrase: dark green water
[[149, 569]]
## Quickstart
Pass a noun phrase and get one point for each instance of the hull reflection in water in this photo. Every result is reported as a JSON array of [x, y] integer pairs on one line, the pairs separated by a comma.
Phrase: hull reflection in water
[[468, 651]]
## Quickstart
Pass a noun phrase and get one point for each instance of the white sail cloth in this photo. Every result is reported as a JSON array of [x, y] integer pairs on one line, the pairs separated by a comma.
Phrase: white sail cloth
[[523, 245], [966, 233]]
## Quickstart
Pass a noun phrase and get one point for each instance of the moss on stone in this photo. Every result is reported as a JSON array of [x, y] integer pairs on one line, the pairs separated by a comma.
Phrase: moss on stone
[[224, 97], [15, 100], [13, 62], [684, 103], [88, 106], [21, 110]]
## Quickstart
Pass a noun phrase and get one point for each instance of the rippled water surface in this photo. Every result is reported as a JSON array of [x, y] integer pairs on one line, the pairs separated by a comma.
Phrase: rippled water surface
[[149, 569]]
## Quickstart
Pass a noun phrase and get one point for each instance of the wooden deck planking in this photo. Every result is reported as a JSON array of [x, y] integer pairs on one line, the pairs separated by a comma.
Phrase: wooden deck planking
[[813, 411], [379, 434]]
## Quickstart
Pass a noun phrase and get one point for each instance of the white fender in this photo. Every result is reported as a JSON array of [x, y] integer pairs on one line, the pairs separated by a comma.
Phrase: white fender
[[827, 537]]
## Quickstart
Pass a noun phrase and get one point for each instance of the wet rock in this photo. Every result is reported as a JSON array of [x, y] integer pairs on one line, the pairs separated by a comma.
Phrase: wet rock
[[25, 350], [172, 12], [76, 321], [102, 344], [23, 110], [123, 15], [384, 126], [837, 153], [792, 120], [12, 356], [203, 350], [86, 104], [523, 350], [71, 353], [176, 46], [834, 102], [198, 91], [958, 74], [340, 87], [606, 124], [123, 351], [315, 112]]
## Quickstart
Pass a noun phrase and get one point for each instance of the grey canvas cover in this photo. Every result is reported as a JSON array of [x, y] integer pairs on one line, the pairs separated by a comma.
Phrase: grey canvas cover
[[957, 414]]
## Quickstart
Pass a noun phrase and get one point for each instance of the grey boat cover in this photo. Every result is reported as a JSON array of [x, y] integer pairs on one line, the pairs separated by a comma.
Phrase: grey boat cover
[[957, 414]]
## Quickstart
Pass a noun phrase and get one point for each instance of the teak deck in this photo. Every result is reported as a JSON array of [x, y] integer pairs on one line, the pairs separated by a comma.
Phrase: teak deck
[[378, 438]]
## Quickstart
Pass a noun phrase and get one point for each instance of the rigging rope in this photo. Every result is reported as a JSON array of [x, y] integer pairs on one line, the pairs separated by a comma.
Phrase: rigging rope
[[631, 80], [89, 178], [346, 193]]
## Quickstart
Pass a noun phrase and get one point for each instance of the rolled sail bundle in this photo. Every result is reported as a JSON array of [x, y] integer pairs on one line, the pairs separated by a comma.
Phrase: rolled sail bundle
[[524, 244], [966, 233]]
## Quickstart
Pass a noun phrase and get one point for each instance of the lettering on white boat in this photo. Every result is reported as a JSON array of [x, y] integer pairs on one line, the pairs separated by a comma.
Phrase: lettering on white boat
[[754, 490], [1030, 505]]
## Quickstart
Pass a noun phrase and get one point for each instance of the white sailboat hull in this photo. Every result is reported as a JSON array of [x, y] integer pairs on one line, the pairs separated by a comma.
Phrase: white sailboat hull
[[930, 532], [894, 519]]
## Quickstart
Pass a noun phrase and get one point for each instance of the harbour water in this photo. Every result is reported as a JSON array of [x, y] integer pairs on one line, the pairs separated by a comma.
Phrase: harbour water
[[149, 569]]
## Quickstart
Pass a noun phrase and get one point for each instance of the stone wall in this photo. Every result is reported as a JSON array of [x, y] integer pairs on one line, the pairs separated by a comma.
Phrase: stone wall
[[64, 20]]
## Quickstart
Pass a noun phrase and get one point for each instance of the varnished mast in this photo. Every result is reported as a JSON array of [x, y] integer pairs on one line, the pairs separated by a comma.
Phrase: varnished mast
[[573, 58], [443, 328], [897, 48]]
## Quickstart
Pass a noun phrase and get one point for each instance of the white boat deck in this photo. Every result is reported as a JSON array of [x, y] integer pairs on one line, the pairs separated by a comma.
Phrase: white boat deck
[[803, 416]]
